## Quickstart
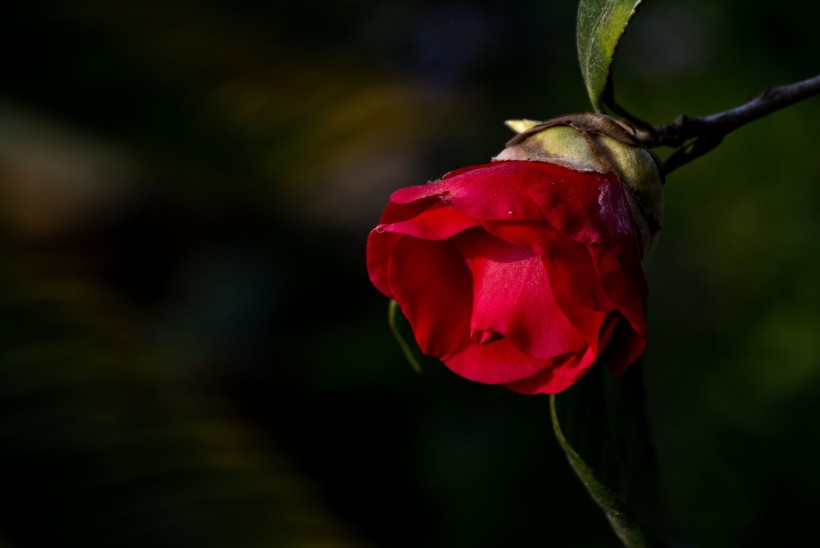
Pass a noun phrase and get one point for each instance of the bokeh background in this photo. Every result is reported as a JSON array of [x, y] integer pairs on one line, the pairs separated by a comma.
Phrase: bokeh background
[[192, 354]]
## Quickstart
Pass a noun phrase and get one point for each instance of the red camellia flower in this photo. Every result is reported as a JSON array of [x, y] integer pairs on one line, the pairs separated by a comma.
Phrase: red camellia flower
[[519, 273]]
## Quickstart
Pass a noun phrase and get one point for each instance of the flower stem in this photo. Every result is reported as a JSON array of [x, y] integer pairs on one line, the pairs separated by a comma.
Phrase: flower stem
[[391, 321]]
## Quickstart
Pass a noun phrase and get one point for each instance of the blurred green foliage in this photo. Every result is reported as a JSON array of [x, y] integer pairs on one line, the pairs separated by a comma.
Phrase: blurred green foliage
[[192, 354]]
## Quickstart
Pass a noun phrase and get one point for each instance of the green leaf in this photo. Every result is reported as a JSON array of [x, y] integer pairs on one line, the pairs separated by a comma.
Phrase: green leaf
[[624, 522], [601, 23], [600, 424]]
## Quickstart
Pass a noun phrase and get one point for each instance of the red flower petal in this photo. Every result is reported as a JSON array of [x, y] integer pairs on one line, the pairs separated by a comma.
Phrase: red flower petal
[[495, 363], [586, 206], [396, 212], [544, 382], [515, 273], [531, 235], [624, 349], [569, 265], [621, 287], [568, 369], [380, 248], [438, 222], [513, 296], [432, 285]]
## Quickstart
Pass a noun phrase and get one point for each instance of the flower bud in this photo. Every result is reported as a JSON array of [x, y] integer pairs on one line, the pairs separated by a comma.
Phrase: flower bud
[[595, 142]]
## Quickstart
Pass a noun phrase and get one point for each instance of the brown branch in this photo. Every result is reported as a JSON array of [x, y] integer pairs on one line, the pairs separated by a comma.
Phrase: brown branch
[[706, 132]]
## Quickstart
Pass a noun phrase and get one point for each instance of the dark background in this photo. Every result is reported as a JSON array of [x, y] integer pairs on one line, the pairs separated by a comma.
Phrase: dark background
[[192, 354]]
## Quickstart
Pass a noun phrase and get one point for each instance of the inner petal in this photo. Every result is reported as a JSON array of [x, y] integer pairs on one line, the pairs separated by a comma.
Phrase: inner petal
[[485, 336], [512, 296]]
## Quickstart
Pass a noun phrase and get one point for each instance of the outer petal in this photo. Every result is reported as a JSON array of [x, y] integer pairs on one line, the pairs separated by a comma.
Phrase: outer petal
[[624, 349], [380, 247], [512, 295], [568, 369], [573, 271], [586, 206], [432, 285], [547, 381], [621, 287], [438, 222], [496, 363], [398, 212]]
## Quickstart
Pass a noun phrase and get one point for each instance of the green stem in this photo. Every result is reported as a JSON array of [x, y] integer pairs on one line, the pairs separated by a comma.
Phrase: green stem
[[391, 321], [623, 520]]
